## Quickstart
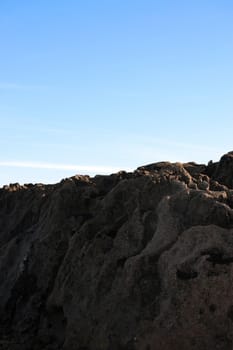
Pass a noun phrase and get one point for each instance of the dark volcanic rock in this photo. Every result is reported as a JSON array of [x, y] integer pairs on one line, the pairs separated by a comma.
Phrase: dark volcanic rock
[[224, 169], [130, 261]]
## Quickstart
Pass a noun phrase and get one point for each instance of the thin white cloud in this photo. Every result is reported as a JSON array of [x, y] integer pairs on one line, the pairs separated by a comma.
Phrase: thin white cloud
[[16, 86], [10, 86], [56, 166]]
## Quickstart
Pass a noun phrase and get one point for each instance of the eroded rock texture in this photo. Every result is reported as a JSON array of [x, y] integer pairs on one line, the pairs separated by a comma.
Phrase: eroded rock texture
[[130, 261]]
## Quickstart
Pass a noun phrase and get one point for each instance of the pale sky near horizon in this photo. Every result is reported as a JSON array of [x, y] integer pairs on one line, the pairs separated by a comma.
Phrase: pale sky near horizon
[[96, 86]]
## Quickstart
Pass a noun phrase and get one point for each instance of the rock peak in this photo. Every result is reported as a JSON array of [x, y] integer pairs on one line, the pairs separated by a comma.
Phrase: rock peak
[[134, 261]]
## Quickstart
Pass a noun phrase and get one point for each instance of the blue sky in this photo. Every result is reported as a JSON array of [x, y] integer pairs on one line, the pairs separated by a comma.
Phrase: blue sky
[[95, 86]]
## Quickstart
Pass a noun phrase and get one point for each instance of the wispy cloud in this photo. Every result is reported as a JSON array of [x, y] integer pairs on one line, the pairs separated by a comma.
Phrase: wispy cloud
[[7, 86], [17, 86], [56, 166]]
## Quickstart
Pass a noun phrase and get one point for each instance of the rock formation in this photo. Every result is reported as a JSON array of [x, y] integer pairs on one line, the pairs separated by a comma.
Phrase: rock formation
[[130, 261]]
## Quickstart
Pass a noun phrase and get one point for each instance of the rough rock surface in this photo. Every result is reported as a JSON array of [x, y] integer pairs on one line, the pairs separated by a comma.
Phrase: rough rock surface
[[130, 261]]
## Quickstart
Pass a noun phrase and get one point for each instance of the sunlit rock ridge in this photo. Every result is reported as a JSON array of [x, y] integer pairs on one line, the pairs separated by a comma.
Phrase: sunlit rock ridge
[[129, 261]]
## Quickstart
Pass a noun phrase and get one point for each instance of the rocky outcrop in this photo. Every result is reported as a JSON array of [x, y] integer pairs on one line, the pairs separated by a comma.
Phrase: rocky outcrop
[[130, 261]]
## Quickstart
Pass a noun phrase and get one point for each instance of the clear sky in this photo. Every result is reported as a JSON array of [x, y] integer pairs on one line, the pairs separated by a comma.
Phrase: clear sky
[[95, 86]]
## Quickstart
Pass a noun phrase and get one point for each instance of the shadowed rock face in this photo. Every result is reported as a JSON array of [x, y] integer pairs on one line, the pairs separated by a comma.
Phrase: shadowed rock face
[[130, 261]]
